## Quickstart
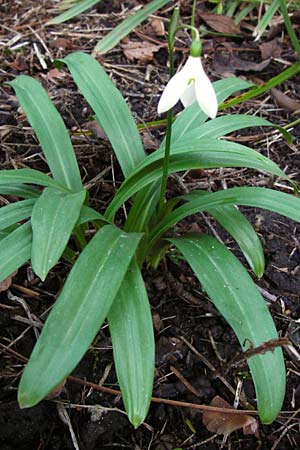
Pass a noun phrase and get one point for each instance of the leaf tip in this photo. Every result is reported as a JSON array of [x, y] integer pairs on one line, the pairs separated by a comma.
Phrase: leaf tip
[[25, 399], [136, 420]]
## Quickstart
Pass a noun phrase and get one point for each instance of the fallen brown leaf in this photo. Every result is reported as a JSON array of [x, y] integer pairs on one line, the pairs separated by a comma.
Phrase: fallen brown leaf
[[5, 284], [222, 24], [227, 62], [270, 49], [220, 423], [19, 63], [54, 74], [157, 26], [96, 130], [62, 44], [284, 101], [141, 51], [149, 141]]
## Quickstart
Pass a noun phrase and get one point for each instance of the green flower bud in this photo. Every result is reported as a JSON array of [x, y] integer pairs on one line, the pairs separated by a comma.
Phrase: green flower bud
[[196, 48]]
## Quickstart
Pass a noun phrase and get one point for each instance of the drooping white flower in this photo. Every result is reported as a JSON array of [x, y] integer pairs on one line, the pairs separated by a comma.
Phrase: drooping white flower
[[190, 84]]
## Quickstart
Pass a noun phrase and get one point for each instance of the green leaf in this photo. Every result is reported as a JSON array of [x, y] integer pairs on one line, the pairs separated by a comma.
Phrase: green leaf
[[141, 211], [279, 202], [110, 108], [78, 312], [192, 154], [266, 19], [88, 214], [193, 116], [50, 130], [258, 90], [235, 295], [53, 218], [4, 233], [15, 250], [15, 212], [188, 119], [131, 328], [125, 27], [19, 190], [223, 125], [236, 224], [27, 176], [81, 6]]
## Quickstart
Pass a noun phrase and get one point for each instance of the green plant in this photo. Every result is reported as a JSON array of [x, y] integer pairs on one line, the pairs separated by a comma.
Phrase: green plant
[[105, 280], [118, 33]]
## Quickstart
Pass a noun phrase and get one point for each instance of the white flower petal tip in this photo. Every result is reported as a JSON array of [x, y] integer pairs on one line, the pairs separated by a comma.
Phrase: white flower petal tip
[[189, 85]]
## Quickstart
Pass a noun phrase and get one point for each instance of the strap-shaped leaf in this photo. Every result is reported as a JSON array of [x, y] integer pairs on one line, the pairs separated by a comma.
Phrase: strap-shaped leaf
[[118, 33], [235, 295], [279, 202], [266, 19], [15, 250], [141, 211], [189, 119], [88, 214], [53, 218], [74, 11], [78, 312], [236, 224], [110, 108], [19, 190], [131, 328], [15, 212], [192, 154], [50, 130], [27, 176], [227, 124]]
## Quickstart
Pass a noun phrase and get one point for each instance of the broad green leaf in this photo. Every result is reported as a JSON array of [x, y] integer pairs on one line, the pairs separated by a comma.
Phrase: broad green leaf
[[237, 298], [15, 250], [192, 154], [188, 119], [72, 12], [227, 124], [27, 176], [15, 212], [110, 108], [279, 202], [141, 211], [50, 130], [125, 27], [19, 190], [88, 214], [236, 224], [131, 328], [53, 218], [78, 313], [4, 233]]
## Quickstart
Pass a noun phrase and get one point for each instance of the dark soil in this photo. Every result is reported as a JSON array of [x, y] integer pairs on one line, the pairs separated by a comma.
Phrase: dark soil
[[185, 320]]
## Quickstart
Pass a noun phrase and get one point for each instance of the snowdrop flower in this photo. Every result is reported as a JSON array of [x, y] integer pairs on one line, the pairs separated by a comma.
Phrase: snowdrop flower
[[189, 85]]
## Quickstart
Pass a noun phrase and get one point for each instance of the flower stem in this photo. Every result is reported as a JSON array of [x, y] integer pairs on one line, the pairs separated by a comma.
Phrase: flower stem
[[193, 13], [168, 144]]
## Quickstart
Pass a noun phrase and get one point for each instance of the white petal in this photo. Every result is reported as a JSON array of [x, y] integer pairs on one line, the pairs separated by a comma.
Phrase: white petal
[[205, 94], [193, 65], [173, 90], [189, 95]]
